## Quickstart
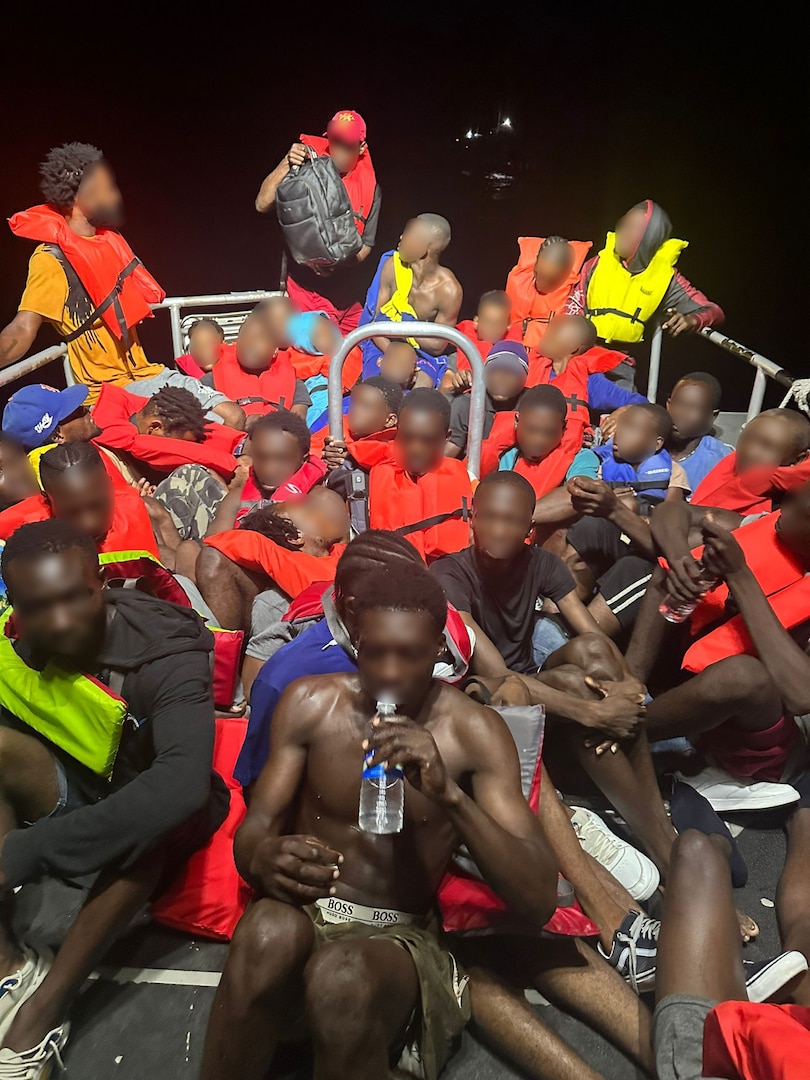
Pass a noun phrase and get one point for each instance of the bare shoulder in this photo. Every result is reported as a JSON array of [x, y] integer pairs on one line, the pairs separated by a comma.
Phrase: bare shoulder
[[478, 727], [448, 282], [308, 704]]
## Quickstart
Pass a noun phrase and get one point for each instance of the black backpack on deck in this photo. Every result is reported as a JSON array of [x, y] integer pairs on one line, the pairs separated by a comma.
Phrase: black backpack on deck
[[316, 216]]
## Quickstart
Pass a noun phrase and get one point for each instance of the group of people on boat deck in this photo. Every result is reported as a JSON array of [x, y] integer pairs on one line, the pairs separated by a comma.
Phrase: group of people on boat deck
[[224, 624]]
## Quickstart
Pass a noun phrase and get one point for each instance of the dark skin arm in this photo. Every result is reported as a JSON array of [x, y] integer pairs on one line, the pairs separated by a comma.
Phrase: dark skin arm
[[225, 517], [266, 198], [786, 663], [598, 499], [293, 869], [503, 835], [555, 508], [675, 530], [485, 660], [18, 337]]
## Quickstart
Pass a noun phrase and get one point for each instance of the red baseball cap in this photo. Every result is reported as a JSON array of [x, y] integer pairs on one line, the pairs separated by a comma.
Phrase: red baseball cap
[[348, 126]]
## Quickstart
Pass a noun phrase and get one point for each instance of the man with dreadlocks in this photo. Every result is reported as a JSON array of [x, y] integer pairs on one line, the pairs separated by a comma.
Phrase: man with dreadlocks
[[83, 278]]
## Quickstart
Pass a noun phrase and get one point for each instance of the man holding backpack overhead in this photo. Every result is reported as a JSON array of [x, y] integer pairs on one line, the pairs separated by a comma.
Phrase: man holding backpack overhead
[[316, 284]]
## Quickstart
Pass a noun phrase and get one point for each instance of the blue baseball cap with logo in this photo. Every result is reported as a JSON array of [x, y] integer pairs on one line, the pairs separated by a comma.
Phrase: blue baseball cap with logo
[[33, 414]]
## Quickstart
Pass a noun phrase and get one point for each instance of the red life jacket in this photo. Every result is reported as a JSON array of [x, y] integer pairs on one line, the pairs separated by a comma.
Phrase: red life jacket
[[542, 475], [533, 311], [438, 502], [753, 492], [112, 413], [744, 1040], [256, 393], [467, 328], [299, 484], [360, 182], [307, 366], [105, 264], [781, 576], [292, 571], [573, 381]]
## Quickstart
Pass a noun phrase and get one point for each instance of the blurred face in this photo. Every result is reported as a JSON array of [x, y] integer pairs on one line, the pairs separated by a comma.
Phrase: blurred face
[[538, 432], [565, 337], [276, 455], [396, 651], [629, 233], [276, 317], [636, 436], [326, 336], [368, 412], [204, 345], [690, 407], [17, 478], [58, 604], [504, 384], [344, 154], [766, 440], [492, 322], [321, 518], [552, 267], [255, 347], [398, 363], [420, 441], [99, 199], [501, 521], [85, 498], [78, 427], [152, 424], [793, 523], [414, 243]]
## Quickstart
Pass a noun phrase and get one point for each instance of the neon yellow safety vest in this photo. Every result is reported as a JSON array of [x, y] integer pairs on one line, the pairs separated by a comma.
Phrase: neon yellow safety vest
[[399, 305], [619, 303], [73, 711]]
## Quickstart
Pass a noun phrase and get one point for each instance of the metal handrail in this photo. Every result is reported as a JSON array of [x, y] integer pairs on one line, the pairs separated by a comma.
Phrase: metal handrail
[[175, 303], [31, 363], [475, 428]]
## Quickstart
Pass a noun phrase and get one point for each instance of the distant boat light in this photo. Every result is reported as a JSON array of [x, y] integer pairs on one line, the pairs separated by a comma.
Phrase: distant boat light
[[469, 134], [506, 122]]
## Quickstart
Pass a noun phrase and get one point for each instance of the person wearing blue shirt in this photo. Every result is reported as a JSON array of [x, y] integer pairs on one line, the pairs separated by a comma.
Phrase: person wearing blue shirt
[[693, 406]]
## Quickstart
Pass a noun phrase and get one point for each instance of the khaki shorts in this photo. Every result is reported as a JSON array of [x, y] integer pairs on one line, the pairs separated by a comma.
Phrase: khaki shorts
[[444, 1007]]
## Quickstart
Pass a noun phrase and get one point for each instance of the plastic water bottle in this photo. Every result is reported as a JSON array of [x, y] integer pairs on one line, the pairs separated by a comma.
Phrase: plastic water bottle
[[382, 793], [678, 611]]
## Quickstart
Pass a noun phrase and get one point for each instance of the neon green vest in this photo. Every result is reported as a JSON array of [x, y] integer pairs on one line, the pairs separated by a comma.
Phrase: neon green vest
[[75, 712], [619, 303]]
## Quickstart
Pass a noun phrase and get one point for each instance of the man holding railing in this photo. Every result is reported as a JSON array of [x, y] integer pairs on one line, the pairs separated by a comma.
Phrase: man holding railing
[[83, 278]]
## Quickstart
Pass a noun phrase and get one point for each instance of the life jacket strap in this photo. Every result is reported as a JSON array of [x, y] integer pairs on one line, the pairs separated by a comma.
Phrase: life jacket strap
[[634, 318], [242, 401], [639, 485], [358, 501], [462, 513], [110, 300]]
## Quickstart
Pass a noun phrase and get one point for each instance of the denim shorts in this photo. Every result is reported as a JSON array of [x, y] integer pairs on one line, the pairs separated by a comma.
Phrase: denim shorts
[[69, 795]]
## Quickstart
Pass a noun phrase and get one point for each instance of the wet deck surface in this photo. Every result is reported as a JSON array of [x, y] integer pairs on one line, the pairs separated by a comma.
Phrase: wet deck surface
[[145, 1017]]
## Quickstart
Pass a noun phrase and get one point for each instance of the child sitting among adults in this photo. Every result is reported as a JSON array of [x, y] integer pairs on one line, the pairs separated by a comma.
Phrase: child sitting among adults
[[489, 325], [413, 488], [694, 405], [205, 340], [506, 371], [398, 364], [253, 371]]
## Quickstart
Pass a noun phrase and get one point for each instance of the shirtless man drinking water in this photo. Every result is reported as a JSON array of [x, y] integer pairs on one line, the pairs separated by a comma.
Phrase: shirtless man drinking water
[[335, 948]]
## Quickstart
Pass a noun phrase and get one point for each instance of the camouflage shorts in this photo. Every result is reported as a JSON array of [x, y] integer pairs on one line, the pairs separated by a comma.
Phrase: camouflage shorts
[[192, 496]]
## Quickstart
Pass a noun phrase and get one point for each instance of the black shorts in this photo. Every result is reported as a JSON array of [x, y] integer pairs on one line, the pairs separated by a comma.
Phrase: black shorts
[[616, 561]]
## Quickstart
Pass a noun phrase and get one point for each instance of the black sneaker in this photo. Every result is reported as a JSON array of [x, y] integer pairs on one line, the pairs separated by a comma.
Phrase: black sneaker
[[764, 978], [634, 949]]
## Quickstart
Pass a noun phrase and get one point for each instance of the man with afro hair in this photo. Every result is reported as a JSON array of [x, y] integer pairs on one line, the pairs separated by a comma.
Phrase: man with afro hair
[[83, 277]]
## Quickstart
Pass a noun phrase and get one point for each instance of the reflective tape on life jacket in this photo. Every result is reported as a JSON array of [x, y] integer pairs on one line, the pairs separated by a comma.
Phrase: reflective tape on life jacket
[[619, 303], [73, 711]]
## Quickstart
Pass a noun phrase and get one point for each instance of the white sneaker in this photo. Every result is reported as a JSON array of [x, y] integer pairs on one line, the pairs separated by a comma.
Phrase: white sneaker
[[632, 869], [17, 988], [726, 792], [37, 1063]]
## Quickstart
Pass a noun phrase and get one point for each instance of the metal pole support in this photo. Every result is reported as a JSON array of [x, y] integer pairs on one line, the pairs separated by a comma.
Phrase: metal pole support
[[655, 363], [177, 331], [475, 433], [757, 394]]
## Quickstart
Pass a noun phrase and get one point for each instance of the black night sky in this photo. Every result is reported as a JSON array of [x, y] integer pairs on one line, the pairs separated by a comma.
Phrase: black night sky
[[704, 112]]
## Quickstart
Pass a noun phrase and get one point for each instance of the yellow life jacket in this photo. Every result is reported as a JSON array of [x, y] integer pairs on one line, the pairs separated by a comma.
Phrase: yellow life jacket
[[35, 457], [619, 303], [73, 711], [399, 305]]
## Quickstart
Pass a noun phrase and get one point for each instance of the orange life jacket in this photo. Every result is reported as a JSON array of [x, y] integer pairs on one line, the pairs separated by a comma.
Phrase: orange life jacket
[[360, 183], [438, 503], [749, 1041], [542, 475], [751, 493], [292, 571], [112, 413], [307, 366], [533, 311], [256, 393], [781, 576], [105, 264], [467, 328]]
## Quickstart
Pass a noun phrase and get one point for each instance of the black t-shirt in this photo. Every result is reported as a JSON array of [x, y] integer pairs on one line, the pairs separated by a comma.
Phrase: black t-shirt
[[504, 604], [460, 417]]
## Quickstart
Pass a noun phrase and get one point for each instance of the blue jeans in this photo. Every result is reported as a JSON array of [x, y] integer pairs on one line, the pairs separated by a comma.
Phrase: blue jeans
[[546, 639]]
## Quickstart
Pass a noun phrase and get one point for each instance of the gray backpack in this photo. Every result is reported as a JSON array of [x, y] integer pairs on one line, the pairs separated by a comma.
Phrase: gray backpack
[[316, 216]]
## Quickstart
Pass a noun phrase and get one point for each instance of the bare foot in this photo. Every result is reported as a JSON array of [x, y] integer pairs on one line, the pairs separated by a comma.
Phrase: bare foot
[[748, 928]]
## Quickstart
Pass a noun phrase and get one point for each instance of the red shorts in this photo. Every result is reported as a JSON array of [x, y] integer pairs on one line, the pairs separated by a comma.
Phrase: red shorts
[[346, 318], [753, 755]]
